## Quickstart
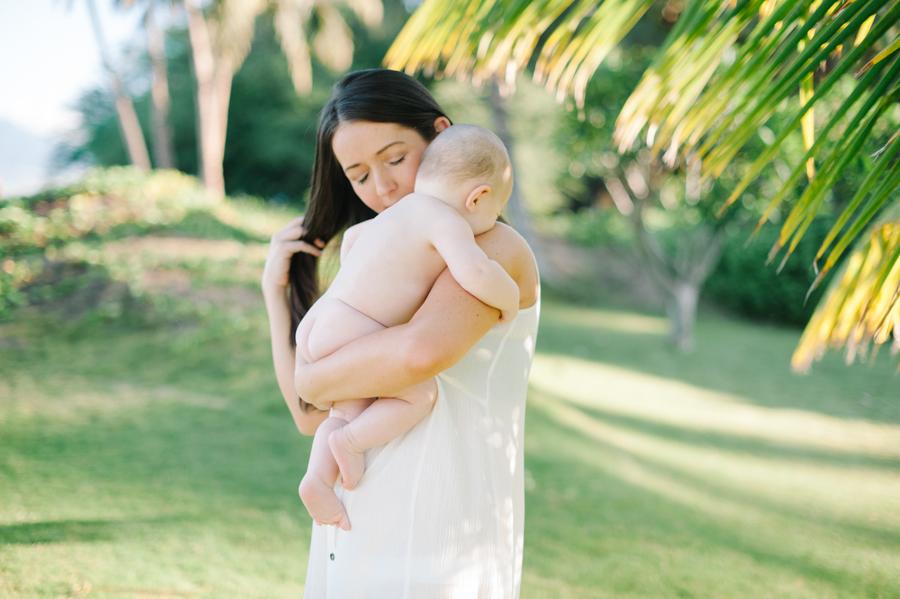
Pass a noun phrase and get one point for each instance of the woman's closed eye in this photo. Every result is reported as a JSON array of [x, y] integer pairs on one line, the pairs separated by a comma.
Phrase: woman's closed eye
[[391, 162]]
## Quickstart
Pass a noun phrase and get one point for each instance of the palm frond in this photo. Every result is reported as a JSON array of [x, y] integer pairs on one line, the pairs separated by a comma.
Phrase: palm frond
[[234, 26], [333, 42], [862, 306], [721, 74], [498, 39], [290, 22], [370, 12]]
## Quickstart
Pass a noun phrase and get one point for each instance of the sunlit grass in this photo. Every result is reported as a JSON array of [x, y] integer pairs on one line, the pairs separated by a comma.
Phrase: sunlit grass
[[134, 460], [621, 392], [696, 480]]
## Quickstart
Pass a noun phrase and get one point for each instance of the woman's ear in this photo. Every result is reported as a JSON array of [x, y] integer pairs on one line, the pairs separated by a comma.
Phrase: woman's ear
[[441, 123], [476, 196]]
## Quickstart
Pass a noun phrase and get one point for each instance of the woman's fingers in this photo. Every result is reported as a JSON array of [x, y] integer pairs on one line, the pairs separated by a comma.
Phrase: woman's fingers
[[293, 226], [294, 232], [301, 246], [284, 244]]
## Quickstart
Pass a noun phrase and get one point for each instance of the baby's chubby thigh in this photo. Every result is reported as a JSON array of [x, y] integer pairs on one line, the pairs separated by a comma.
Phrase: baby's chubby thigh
[[336, 324]]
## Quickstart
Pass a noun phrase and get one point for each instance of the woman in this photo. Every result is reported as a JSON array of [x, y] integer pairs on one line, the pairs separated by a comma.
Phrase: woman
[[439, 512]]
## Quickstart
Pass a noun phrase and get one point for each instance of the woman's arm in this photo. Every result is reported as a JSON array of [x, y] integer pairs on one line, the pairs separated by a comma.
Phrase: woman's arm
[[285, 244], [440, 333]]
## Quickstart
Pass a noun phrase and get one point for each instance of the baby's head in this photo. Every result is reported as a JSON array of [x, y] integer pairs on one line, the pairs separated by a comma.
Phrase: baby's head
[[467, 167]]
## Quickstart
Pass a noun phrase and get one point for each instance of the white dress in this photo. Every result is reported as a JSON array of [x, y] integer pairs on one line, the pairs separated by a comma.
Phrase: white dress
[[439, 512]]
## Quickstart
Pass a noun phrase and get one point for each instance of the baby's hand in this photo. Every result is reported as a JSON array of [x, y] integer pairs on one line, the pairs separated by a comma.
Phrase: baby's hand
[[507, 316]]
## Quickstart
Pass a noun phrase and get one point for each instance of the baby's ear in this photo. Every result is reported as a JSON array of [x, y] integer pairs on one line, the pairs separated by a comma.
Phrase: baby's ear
[[477, 197]]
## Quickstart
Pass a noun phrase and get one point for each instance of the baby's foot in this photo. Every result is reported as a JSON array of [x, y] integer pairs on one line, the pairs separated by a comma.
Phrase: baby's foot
[[322, 503], [351, 462]]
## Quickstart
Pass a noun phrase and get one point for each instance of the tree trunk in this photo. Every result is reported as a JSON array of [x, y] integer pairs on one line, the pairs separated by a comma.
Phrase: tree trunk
[[129, 126], [224, 76], [518, 213], [210, 142], [680, 277], [163, 152], [683, 314]]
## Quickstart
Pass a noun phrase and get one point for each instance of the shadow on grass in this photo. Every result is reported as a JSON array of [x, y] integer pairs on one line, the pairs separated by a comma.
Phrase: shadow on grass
[[732, 442], [73, 531], [725, 520], [714, 441], [748, 360]]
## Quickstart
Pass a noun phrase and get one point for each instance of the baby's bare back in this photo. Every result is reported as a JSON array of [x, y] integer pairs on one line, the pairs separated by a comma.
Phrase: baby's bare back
[[392, 265]]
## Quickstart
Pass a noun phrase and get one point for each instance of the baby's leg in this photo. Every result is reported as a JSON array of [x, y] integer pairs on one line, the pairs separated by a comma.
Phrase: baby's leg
[[384, 420], [329, 325], [337, 324], [317, 486]]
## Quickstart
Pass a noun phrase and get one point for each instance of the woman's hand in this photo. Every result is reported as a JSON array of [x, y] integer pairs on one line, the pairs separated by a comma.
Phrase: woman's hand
[[275, 279], [285, 243], [324, 406]]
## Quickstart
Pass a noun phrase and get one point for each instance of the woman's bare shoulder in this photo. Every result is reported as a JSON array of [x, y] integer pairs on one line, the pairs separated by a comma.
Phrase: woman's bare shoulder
[[504, 244]]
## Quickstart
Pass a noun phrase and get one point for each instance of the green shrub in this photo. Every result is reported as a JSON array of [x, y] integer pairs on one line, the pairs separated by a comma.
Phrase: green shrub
[[744, 284], [36, 231]]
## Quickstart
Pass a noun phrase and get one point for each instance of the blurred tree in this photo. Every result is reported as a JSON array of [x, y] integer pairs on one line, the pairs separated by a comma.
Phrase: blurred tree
[[271, 129], [163, 150], [723, 71], [518, 214], [128, 122], [671, 215], [221, 40]]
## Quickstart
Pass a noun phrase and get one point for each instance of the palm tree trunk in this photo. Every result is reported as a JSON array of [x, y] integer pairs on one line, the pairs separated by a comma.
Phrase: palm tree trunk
[[163, 152], [224, 75], [210, 141], [518, 213], [129, 125]]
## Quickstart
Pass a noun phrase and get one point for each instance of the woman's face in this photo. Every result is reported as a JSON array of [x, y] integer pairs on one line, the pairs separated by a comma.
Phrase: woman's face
[[380, 159]]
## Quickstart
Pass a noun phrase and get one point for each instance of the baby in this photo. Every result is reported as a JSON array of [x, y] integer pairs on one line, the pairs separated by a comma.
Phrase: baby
[[389, 264]]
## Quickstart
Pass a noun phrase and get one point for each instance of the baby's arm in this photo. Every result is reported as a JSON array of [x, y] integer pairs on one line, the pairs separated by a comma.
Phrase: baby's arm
[[484, 278]]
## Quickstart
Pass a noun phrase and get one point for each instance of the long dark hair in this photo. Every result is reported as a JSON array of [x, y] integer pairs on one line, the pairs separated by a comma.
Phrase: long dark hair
[[377, 96]]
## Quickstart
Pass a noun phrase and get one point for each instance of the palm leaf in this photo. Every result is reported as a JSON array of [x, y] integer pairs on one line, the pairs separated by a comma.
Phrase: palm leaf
[[862, 305], [689, 106], [498, 39], [290, 23], [236, 26]]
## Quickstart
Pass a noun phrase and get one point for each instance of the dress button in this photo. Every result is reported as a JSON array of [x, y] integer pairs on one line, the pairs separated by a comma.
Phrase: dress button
[[332, 557]]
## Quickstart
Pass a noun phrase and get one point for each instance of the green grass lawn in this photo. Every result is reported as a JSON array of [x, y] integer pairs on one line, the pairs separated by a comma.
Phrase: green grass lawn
[[147, 460], [145, 450], [718, 474]]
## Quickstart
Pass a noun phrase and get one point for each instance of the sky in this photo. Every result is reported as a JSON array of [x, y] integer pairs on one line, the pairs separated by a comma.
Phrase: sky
[[49, 55]]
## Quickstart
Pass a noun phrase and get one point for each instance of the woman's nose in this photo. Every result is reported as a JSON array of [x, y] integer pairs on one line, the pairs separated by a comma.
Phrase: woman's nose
[[384, 184]]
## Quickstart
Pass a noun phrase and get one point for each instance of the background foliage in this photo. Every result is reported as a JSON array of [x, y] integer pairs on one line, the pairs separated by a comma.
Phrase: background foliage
[[564, 155], [271, 130]]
